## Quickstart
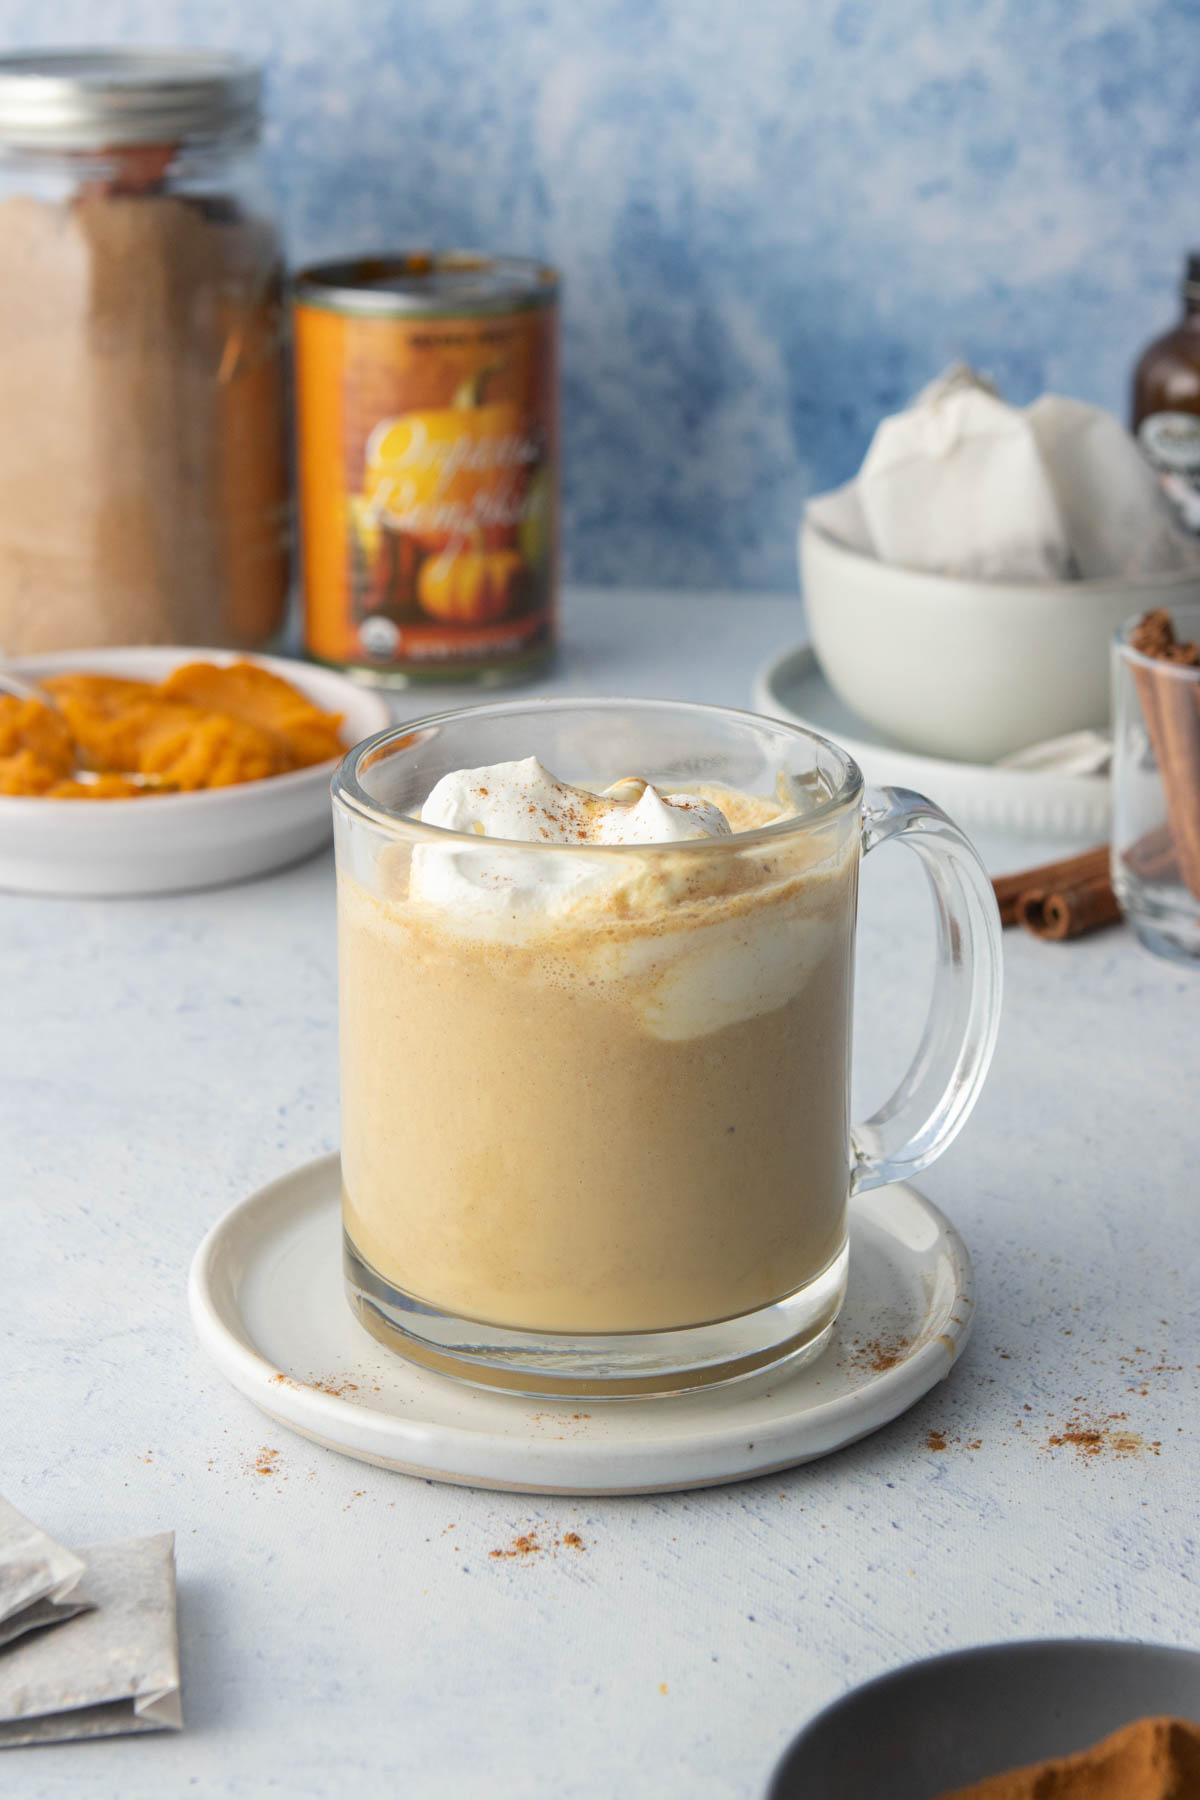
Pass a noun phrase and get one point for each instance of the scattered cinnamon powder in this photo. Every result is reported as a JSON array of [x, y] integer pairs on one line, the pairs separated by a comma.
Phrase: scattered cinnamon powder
[[879, 1354], [937, 1441], [1101, 1437], [561, 1421], [525, 1545], [530, 1544], [1152, 1759], [1142, 1374], [337, 1386]]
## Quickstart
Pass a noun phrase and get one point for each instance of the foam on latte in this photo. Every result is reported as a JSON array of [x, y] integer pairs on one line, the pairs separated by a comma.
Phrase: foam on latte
[[524, 801], [500, 890]]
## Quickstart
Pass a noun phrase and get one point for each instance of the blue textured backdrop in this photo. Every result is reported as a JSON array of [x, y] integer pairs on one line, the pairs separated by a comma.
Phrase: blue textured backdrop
[[776, 218]]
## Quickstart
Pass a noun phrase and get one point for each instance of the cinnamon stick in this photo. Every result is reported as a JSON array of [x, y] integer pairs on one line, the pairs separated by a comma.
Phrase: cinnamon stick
[[1068, 911], [1065, 899], [1169, 695], [1053, 877]]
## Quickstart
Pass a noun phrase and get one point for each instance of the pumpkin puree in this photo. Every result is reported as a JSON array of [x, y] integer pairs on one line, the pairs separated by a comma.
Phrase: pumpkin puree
[[205, 726]]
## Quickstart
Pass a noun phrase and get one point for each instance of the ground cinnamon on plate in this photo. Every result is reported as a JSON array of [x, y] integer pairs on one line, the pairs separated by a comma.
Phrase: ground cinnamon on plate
[[1152, 1759], [878, 1354]]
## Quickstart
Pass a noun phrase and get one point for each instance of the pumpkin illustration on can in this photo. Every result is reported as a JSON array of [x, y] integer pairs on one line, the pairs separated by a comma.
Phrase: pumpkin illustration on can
[[428, 447]]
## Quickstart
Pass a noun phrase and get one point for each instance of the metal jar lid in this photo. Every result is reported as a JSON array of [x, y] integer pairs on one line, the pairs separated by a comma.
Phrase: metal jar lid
[[89, 99], [431, 284]]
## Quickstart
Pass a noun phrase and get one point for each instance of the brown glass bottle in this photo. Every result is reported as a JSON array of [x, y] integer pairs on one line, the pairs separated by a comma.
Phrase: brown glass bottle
[[1165, 413]]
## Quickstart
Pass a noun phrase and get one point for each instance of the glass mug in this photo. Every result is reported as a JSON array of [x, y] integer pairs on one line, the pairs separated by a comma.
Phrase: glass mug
[[595, 1122]]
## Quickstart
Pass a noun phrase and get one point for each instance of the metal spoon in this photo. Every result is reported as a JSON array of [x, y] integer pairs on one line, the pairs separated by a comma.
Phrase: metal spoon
[[22, 690]]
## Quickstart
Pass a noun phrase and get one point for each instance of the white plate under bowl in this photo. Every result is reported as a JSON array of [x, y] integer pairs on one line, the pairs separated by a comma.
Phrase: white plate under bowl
[[975, 794], [170, 842], [268, 1308]]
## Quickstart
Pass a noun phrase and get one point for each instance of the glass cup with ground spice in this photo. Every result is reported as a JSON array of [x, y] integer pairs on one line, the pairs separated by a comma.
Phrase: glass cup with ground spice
[[144, 488], [1156, 779], [595, 971]]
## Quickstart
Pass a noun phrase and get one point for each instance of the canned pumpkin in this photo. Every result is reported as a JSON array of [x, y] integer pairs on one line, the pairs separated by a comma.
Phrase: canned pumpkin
[[427, 427]]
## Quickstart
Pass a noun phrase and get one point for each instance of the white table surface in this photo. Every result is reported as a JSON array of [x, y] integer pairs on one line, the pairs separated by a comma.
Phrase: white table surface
[[160, 1058]]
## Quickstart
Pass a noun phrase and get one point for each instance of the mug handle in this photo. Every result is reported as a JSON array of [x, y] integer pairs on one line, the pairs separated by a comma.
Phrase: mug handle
[[936, 1095]]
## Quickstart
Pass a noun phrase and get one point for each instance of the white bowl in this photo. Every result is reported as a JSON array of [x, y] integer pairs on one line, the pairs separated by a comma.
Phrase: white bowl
[[173, 841], [963, 668]]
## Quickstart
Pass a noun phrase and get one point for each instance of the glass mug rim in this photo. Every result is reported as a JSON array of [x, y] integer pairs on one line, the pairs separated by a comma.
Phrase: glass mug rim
[[1185, 610], [349, 793]]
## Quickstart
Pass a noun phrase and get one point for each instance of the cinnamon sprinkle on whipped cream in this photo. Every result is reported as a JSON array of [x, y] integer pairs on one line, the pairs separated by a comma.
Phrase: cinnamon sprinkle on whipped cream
[[523, 801]]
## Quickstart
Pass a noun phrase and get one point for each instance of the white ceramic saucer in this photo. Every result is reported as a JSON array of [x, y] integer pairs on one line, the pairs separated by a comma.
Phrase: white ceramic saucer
[[979, 795], [267, 1305]]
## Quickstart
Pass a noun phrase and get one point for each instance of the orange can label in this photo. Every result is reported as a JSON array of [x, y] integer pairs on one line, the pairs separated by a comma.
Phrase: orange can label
[[428, 486]]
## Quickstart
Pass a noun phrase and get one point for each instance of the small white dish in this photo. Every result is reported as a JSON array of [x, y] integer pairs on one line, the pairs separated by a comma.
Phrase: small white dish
[[967, 669], [1026, 803], [165, 843], [268, 1308]]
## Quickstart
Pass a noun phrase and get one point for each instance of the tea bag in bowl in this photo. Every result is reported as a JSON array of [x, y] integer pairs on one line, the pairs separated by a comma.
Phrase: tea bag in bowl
[[1118, 520], [957, 485]]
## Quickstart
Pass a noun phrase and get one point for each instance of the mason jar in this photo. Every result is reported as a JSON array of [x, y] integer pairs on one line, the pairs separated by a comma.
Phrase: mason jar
[[144, 485]]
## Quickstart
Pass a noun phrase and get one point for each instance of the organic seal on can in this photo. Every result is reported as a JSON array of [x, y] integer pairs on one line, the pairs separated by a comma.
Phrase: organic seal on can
[[427, 408]]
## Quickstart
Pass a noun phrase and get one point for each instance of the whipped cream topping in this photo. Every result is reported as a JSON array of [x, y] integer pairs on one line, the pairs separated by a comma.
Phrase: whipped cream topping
[[524, 801], [496, 889]]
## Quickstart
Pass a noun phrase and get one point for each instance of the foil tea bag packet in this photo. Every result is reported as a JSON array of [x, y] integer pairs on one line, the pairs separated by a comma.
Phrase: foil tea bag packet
[[39, 1579], [113, 1669], [956, 485]]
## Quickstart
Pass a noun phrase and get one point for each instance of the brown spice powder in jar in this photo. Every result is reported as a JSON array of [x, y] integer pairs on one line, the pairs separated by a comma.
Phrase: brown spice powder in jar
[[143, 471]]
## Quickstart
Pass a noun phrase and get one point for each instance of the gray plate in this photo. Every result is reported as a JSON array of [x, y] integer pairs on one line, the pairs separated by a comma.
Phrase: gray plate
[[954, 1719]]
